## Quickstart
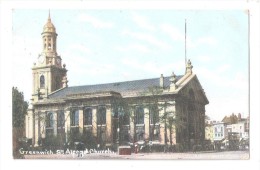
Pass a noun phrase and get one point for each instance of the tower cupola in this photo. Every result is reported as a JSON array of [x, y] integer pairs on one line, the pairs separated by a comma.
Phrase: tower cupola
[[49, 37], [49, 27]]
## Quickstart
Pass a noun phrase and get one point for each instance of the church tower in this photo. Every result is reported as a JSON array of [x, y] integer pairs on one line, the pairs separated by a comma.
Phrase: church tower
[[49, 74]]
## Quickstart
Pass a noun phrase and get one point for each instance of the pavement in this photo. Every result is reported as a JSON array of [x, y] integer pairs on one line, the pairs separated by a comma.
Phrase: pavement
[[224, 155]]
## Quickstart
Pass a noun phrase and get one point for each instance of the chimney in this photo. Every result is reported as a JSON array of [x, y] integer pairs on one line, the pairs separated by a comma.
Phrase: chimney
[[239, 116], [161, 81]]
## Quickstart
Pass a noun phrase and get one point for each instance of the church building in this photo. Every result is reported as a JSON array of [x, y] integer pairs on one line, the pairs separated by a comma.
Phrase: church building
[[165, 110]]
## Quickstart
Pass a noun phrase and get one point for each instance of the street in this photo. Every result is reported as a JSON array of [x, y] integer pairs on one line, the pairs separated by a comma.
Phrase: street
[[227, 155]]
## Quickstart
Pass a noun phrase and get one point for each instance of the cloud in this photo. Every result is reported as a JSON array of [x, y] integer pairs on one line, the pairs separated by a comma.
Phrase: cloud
[[133, 47], [147, 38], [22, 62], [142, 22], [207, 40], [217, 109], [178, 35], [95, 22], [81, 48], [222, 78], [152, 67], [203, 58], [173, 32]]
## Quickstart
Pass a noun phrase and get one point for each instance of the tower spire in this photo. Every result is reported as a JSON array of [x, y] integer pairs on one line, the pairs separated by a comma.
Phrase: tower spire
[[49, 17]]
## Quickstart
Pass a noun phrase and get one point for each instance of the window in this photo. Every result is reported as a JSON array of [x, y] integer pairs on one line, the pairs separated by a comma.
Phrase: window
[[49, 120], [154, 115], [42, 81], [61, 119], [49, 46], [88, 116], [74, 119], [57, 82], [101, 116], [139, 115], [125, 119]]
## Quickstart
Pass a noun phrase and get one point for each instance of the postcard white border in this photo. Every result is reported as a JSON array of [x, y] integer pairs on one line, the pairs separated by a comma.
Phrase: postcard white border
[[6, 160]]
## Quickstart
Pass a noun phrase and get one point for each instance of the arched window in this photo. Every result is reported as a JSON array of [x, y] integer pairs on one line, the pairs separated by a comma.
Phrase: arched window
[[49, 46], [42, 81], [139, 115], [88, 116], [74, 118], [49, 120], [101, 116]]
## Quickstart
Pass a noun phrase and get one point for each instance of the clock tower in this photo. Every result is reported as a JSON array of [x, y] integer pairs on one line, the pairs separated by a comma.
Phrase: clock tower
[[49, 74]]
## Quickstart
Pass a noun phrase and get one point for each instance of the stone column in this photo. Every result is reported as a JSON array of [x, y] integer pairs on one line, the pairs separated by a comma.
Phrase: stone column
[[55, 125], [29, 124], [94, 121], [162, 127], [108, 125], [81, 123], [67, 123], [146, 124], [42, 120], [132, 125], [36, 127]]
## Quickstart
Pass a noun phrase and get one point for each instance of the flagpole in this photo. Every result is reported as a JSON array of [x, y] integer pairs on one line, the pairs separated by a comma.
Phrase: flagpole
[[185, 45]]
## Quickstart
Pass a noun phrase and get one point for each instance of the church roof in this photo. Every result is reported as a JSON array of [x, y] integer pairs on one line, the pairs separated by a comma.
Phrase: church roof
[[127, 88]]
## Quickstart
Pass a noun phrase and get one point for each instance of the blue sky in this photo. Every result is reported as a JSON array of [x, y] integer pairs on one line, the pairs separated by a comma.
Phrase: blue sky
[[102, 46]]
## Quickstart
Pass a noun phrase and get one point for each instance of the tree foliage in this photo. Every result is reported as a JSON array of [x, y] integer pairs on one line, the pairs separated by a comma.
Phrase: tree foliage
[[19, 108]]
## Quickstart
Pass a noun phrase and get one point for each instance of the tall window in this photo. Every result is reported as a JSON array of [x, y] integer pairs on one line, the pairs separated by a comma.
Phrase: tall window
[[57, 82], [88, 116], [61, 119], [74, 119], [125, 119], [42, 81], [49, 120], [101, 116], [154, 115], [139, 115]]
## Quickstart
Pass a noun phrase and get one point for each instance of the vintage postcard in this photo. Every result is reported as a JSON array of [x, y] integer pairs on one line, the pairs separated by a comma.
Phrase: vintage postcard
[[135, 84], [131, 84]]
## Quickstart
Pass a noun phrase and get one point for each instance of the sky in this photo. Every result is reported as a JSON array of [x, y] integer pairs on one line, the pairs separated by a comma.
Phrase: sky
[[103, 46]]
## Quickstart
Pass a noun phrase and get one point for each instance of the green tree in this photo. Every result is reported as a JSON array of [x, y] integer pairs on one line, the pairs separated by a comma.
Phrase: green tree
[[19, 108], [157, 104]]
